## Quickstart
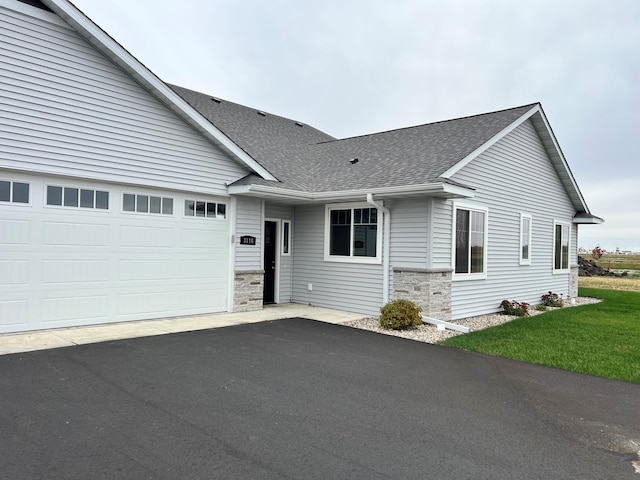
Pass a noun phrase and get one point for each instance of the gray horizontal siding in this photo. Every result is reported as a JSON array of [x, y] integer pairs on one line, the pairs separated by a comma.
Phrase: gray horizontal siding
[[514, 176], [351, 287], [409, 233], [442, 216], [68, 110], [248, 222]]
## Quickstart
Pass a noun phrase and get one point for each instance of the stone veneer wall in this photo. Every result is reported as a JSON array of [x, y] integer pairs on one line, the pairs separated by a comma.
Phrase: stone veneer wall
[[248, 290], [573, 281], [427, 288]]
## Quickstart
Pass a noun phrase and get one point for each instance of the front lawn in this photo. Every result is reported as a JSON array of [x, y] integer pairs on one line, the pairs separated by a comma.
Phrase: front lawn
[[602, 339]]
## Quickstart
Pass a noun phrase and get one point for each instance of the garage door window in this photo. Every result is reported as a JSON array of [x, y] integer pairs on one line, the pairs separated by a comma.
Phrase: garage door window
[[77, 197], [14, 192], [200, 208], [147, 204]]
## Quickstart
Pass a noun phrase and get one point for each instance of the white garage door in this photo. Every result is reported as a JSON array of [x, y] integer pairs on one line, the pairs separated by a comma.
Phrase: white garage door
[[67, 260]]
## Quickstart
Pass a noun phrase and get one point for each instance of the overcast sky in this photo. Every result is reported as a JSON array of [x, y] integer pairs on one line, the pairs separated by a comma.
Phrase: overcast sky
[[355, 67]]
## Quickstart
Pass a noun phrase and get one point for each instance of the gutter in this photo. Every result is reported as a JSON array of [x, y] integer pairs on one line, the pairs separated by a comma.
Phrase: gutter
[[439, 189], [386, 241]]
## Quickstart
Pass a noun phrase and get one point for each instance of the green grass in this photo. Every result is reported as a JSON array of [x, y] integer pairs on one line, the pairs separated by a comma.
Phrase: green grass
[[601, 339]]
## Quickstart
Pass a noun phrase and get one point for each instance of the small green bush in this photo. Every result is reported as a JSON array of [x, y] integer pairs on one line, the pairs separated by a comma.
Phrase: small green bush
[[541, 307], [519, 309], [400, 315], [551, 300]]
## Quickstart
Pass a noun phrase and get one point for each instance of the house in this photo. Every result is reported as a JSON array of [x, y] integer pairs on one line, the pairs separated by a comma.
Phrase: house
[[125, 198]]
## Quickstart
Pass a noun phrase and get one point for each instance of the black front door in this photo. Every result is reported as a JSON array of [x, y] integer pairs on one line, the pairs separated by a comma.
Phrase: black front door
[[270, 229]]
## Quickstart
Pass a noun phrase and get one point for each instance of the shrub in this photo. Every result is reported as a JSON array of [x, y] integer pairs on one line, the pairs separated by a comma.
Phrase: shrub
[[519, 309], [400, 315], [541, 307], [551, 300]]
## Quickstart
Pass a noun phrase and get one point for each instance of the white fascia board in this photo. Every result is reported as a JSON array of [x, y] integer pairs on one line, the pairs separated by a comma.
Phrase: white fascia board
[[440, 189], [113, 50], [492, 141]]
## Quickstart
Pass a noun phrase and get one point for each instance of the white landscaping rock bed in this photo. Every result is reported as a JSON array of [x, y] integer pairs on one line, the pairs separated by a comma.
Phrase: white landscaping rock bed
[[430, 334]]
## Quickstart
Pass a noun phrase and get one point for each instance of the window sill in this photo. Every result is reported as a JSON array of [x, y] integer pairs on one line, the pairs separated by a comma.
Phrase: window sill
[[359, 260], [461, 277], [561, 272]]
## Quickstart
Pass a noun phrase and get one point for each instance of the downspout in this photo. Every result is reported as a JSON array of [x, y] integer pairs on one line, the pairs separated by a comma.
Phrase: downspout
[[386, 242]]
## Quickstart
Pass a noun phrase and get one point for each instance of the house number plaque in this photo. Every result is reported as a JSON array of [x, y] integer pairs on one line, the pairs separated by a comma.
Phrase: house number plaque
[[247, 240]]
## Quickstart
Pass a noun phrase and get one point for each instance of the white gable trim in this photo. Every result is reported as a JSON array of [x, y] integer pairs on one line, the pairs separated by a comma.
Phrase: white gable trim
[[492, 141], [541, 124], [109, 47]]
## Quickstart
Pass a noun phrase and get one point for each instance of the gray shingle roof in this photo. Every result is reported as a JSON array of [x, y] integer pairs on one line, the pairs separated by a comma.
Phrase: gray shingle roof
[[306, 159]]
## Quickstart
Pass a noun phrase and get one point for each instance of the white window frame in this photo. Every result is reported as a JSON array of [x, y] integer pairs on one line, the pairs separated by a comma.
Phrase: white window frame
[[77, 207], [471, 208], [11, 200], [351, 258], [216, 216], [148, 211], [523, 218], [286, 239], [561, 270]]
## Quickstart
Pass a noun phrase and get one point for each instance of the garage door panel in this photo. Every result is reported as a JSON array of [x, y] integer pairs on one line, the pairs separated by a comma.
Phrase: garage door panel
[[15, 232], [74, 234], [205, 237], [146, 236], [199, 269], [148, 303], [14, 313], [14, 272], [145, 269], [75, 271], [197, 301], [78, 307]]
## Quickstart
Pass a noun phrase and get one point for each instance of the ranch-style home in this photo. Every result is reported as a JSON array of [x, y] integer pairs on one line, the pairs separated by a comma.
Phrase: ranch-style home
[[125, 198]]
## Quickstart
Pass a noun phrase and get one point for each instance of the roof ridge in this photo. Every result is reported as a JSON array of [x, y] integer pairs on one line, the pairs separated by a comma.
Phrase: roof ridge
[[430, 123]]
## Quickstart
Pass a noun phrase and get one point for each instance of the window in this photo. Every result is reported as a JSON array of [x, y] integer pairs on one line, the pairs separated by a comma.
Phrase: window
[[525, 239], [470, 239], [14, 192], [199, 208], [352, 233], [561, 247], [77, 197], [286, 237], [147, 204]]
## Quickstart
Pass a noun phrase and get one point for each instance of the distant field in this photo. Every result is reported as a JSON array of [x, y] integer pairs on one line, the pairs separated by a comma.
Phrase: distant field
[[617, 262], [631, 284]]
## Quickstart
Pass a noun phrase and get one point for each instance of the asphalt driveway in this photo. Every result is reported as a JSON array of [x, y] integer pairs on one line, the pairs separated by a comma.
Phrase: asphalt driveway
[[305, 400]]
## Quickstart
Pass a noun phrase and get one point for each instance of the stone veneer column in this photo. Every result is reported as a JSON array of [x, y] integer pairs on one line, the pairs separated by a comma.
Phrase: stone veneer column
[[573, 281], [428, 288], [248, 290]]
